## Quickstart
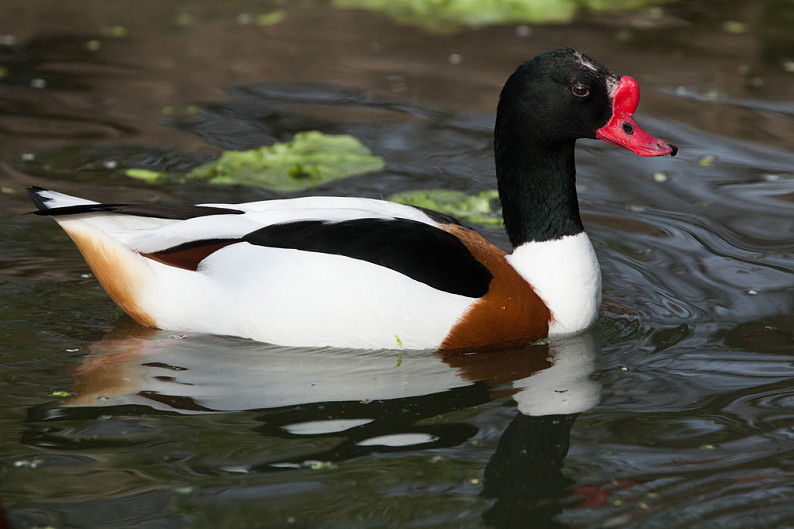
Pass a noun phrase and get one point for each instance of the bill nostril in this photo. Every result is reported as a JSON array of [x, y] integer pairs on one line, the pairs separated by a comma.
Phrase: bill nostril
[[628, 128]]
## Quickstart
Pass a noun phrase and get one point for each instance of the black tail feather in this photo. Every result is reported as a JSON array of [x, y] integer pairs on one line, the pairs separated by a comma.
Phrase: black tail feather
[[160, 211], [38, 200]]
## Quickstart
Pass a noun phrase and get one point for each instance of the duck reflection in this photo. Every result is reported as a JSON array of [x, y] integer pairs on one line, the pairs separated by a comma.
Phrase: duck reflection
[[367, 401], [195, 373]]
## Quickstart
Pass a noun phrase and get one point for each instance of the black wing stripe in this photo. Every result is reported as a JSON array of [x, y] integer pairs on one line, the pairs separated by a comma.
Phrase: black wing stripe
[[417, 250], [160, 211], [164, 211]]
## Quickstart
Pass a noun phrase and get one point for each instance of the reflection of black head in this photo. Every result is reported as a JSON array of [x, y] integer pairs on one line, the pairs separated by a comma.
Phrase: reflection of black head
[[525, 472]]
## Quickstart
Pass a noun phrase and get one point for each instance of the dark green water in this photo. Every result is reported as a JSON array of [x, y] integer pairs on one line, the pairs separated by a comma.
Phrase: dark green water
[[677, 411]]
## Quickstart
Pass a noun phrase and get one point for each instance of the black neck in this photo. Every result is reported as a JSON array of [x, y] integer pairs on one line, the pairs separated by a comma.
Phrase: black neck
[[537, 187]]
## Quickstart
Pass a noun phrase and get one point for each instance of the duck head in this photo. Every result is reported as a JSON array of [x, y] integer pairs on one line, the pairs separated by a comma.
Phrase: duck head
[[563, 95]]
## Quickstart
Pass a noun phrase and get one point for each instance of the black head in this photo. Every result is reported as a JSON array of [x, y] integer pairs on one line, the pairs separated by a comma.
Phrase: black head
[[559, 96], [563, 95]]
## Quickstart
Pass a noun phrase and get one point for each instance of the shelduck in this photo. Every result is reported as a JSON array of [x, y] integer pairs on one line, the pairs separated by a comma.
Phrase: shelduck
[[364, 273]]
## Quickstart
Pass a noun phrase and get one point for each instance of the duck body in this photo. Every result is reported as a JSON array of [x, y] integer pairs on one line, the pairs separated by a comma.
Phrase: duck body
[[317, 271], [363, 273]]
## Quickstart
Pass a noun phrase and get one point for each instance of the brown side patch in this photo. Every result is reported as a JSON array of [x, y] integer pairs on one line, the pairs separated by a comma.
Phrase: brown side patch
[[112, 266], [510, 314], [188, 257]]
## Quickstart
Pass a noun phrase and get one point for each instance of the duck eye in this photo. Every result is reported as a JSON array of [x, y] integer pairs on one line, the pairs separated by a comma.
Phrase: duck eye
[[580, 90]]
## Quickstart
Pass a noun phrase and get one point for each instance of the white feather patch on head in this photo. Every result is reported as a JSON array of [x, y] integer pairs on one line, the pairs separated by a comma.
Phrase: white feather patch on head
[[585, 62], [612, 83]]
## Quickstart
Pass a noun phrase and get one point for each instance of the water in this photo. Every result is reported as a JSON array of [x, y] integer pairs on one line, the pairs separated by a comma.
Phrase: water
[[676, 411]]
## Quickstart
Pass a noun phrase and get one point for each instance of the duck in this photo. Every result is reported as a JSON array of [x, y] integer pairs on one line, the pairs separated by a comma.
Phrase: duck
[[363, 273]]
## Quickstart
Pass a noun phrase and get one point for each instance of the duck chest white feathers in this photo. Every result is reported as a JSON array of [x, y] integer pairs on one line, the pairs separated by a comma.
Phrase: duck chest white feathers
[[565, 274]]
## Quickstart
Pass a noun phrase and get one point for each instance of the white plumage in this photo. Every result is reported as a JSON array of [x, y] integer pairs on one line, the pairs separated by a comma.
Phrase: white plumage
[[565, 274], [274, 295]]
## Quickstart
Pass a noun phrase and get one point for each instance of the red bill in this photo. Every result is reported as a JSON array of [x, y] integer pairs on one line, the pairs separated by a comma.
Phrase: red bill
[[623, 131]]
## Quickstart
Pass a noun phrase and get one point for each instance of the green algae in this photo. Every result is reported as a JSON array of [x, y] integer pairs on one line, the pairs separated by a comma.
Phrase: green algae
[[310, 159], [481, 208]]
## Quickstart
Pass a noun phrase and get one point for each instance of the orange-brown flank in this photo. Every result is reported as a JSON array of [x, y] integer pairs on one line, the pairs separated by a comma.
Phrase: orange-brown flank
[[510, 313], [118, 279]]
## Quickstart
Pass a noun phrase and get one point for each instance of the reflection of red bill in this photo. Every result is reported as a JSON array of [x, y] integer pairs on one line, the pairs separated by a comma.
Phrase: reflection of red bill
[[623, 131]]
